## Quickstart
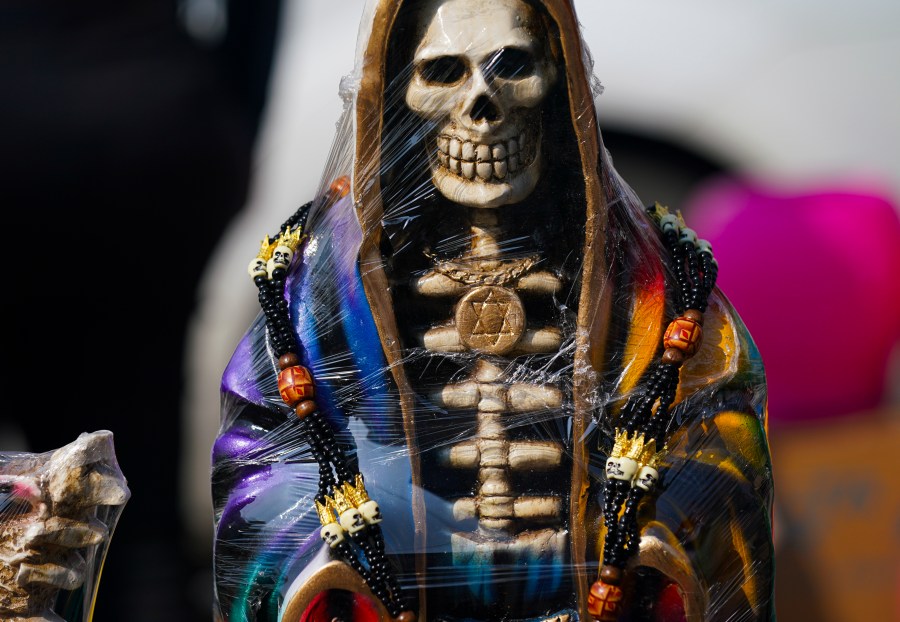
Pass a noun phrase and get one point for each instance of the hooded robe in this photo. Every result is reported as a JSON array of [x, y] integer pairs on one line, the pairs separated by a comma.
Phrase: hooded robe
[[706, 548]]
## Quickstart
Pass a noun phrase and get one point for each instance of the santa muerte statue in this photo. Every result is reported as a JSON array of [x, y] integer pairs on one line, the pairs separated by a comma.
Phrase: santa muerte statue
[[487, 382]]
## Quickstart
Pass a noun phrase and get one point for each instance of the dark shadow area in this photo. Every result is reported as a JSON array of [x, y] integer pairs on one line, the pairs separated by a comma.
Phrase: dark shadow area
[[126, 151], [659, 169]]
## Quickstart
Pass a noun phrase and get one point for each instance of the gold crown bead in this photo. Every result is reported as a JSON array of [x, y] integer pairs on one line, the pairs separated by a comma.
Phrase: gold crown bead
[[326, 511], [361, 488], [357, 495], [648, 452], [341, 504], [618, 449], [351, 494], [291, 238], [266, 248], [635, 449]]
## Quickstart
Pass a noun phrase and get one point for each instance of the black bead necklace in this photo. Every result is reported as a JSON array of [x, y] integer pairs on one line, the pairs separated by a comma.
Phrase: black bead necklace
[[342, 502], [640, 441]]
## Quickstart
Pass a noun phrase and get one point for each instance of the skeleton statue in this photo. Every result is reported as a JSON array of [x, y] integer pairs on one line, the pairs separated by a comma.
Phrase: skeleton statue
[[58, 511], [478, 295]]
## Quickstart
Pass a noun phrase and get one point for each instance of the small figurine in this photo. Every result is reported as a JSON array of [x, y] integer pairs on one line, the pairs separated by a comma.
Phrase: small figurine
[[57, 513], [477, 327]]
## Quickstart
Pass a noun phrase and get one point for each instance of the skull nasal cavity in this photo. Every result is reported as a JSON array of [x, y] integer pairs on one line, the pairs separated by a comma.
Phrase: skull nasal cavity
[[484, 110]]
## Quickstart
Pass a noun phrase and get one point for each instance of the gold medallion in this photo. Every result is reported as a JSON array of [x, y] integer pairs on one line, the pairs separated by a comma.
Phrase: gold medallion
[[490, 319]]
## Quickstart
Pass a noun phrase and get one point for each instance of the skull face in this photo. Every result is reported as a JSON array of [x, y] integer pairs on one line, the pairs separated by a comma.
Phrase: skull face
[[647, 478], [332, 534], [281, 258], [480, 74], [352, 521], [371, 512], [257, 267], [621, 468]]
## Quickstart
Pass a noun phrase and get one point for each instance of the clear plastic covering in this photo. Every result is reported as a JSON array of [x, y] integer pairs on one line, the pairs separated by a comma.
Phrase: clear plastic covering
[[58, 511], [486, 312]]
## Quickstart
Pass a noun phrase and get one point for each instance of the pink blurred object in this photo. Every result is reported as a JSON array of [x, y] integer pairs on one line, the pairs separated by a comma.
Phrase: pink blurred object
[[815, 276]]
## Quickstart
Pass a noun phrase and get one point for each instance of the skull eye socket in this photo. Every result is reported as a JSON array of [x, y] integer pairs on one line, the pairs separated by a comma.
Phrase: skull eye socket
[[511, 63], [443, 70]]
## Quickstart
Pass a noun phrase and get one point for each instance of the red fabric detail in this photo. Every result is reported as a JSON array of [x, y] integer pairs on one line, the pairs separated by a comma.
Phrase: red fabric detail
[[336, 603]]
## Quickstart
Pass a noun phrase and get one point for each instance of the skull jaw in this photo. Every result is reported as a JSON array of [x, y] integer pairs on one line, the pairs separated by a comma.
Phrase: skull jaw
[[488, 194]]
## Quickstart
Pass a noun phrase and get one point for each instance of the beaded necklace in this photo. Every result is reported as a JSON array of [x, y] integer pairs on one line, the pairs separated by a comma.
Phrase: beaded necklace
[[342, 502], [640, 441]]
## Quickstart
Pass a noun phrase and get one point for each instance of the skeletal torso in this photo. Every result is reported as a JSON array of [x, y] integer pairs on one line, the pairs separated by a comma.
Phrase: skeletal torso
[[503, 434]]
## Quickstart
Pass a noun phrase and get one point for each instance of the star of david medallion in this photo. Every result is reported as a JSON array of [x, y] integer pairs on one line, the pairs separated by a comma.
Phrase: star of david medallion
[[490, 319]]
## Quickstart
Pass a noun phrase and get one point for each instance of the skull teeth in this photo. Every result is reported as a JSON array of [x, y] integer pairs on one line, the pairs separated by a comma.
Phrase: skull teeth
[[481, 161]]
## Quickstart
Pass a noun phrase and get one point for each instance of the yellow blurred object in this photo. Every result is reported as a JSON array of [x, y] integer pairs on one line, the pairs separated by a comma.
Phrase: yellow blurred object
[[837, 519]]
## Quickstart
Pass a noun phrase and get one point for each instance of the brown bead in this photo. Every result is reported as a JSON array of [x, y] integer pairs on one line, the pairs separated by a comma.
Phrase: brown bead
[[295, 385], [604, 602], [683, 334], [673, 356], [406, 616], [694, 314], [611, 575], [305, 408], [288, 360]]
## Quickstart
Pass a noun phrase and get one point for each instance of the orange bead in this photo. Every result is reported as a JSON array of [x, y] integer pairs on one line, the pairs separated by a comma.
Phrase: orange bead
[[295, 385], [406, 616], [683, 334], [604, 602], [340, 187]]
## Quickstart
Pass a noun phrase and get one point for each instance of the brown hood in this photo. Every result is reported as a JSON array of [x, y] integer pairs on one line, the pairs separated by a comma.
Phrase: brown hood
[[594, 298]]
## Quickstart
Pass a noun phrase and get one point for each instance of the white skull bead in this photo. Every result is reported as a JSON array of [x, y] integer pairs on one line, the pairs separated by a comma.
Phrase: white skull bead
[[646, 478], [257, 268], [281, 258], [352, 521], [332, 534], [371, 512], [621, 468]]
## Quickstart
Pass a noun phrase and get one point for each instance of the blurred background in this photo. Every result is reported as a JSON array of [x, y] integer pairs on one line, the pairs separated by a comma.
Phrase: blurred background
[[152, 144]]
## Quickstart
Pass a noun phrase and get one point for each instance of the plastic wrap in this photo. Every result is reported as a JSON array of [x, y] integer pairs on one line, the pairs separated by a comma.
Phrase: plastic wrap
[[482, 305], [58, 511]]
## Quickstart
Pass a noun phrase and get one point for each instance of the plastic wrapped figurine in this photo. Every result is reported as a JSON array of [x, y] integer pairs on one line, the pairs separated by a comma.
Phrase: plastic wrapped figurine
[[487, 382], [58, 511]]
